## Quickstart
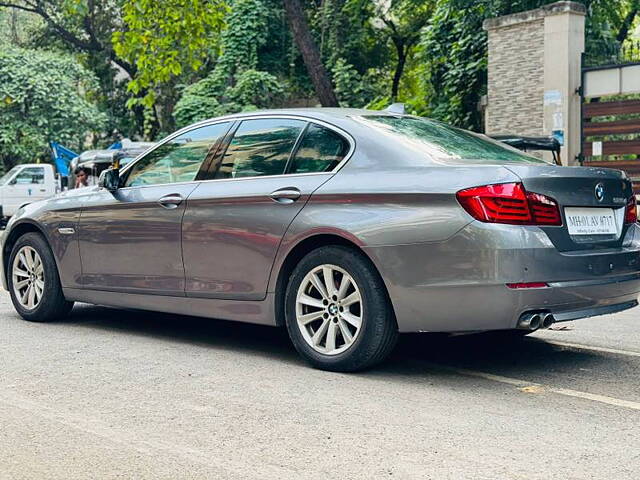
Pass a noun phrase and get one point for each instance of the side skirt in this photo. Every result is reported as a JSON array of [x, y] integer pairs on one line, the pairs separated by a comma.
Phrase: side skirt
[[260, 312]]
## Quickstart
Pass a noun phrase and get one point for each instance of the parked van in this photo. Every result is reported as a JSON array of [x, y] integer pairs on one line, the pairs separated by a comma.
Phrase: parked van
[[24, 184]]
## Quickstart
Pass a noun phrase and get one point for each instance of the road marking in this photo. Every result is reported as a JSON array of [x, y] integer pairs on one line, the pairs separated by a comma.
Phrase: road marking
[[579, 346], [531, 387]]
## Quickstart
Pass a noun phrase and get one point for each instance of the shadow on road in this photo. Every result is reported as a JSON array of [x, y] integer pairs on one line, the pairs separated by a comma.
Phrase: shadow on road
[[526, 358]]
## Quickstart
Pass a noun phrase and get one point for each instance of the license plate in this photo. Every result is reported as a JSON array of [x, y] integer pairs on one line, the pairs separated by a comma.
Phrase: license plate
[[591, 221]]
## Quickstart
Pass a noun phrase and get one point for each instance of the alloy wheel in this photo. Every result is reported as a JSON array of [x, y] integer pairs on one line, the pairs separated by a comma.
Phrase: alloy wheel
[[329, 309], [28, 277]]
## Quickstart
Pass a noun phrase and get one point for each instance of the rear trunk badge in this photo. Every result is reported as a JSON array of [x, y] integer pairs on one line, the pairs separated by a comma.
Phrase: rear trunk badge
[[599, 191]]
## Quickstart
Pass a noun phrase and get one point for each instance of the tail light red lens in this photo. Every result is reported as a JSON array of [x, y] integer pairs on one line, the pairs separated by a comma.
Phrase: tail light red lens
[[631, 214], [509, 203]]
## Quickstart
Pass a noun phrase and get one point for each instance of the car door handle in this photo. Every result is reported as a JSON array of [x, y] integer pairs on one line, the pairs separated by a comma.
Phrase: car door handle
[[285, 195], [171, 201]]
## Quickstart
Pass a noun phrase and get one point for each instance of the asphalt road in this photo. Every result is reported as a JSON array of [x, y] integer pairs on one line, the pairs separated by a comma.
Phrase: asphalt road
[[122, 394]]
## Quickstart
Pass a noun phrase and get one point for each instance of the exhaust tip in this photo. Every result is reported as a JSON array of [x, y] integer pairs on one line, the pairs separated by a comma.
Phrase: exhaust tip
[[548, 320], [536, 321], [530, 321]]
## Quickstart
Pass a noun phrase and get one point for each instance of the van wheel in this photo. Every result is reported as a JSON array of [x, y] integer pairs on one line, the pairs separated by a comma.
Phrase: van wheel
[[337, 311], [33, 281]]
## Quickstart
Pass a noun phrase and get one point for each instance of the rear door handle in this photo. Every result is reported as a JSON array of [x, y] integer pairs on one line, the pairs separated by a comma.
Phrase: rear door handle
[[285, 195], [171, 201]]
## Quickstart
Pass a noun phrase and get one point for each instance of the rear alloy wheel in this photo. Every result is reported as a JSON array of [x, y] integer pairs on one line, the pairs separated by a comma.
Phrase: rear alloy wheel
[[329, 309], [337, 311], [33, 279]]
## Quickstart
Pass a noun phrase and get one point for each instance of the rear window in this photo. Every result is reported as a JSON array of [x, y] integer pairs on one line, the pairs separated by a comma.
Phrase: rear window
[[443, 142]]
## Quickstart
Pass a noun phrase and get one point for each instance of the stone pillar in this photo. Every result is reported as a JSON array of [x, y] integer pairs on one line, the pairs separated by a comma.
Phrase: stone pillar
[[534, 73]]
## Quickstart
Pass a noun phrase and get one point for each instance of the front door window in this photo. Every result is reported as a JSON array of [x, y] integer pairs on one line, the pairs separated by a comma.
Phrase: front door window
[[177, 160]]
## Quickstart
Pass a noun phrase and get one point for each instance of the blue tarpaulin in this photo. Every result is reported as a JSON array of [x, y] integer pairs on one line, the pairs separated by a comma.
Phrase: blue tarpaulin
[[62, 157]]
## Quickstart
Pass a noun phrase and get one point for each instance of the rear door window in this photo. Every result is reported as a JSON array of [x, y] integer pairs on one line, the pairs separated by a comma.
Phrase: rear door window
[[320, 150], [260, 147]]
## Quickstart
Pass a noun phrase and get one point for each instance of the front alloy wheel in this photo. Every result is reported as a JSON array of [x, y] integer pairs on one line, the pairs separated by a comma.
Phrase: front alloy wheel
[[28, 277], [33, 279]]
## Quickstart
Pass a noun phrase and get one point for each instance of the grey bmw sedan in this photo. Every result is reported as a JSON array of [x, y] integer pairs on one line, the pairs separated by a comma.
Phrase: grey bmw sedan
[[345, 226]]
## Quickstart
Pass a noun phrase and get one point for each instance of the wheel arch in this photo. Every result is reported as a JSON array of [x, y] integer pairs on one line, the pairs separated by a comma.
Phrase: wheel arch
[[302, 248]]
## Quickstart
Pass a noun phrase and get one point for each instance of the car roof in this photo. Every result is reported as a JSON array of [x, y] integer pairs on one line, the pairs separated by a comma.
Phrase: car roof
[[338, 116]]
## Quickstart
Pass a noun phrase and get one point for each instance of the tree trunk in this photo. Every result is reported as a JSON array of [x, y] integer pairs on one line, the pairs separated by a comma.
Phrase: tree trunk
[[627, 23], [402, 51], [310, 54]]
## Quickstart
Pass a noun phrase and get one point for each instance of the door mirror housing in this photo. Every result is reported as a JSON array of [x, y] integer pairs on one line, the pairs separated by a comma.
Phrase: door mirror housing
[[110, 179]]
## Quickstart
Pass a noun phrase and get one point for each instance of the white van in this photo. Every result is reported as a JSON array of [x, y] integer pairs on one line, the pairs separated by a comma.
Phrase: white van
[[24, 184]]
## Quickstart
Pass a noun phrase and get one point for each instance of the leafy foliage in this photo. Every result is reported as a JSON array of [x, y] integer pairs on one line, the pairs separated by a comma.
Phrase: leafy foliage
[[254, 89], [184, 60], [164, 40], [235, 84], [355, 89], [31, 115], [453, 52]]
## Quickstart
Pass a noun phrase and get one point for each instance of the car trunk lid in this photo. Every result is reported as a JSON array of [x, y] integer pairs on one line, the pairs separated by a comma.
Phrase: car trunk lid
[[582, 194]]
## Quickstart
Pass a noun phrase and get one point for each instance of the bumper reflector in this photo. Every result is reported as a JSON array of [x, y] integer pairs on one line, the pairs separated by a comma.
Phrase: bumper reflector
[[518, 286]]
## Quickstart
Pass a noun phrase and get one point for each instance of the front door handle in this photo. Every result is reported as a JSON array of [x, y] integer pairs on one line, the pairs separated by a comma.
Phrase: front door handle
[[286, 195], [171, 201]]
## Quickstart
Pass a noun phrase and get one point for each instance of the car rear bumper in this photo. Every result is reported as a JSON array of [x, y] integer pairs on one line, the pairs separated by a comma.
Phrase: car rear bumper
[[461, 284]]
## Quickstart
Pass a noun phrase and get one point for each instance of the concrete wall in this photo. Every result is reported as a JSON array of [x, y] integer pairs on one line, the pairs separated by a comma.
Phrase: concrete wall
[[534, 73]]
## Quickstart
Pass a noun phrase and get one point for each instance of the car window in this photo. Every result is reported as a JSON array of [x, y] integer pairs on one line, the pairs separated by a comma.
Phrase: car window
[[177, 160], [320, 150], [29, 176], [260, 147], [443, 142], [7, 176]]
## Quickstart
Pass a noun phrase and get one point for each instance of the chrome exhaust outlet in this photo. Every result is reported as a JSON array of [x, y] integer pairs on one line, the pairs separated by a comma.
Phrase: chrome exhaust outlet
[[530, 321], [547, 320]]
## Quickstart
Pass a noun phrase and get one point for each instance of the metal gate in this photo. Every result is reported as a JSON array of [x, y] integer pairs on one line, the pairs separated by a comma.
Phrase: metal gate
[[610, 125]]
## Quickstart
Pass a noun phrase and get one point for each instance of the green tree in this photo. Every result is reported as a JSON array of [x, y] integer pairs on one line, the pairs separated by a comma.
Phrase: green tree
[[402, 21], [165, 41], [236, 83], [310, 54], [37, 106], [84, 29]]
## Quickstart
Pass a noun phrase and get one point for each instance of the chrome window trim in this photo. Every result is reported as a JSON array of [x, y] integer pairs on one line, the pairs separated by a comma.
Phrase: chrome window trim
[[284, 175], [239, 118]]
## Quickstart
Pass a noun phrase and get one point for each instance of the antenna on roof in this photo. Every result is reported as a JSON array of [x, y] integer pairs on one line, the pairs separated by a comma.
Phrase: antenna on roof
[[396, 108]]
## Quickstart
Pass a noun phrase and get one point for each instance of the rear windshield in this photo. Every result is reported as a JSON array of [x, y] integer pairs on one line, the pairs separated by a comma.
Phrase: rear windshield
[[443, 142]]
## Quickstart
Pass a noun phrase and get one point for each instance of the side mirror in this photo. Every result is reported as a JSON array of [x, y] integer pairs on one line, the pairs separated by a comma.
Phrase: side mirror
[[110, 179]]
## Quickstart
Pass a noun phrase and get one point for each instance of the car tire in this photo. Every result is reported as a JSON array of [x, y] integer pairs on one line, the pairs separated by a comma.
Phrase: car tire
[[31, 260], [352, 329]]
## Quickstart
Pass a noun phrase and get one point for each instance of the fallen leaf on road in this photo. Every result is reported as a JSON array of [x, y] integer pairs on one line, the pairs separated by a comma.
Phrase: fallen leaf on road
[[532, 389]]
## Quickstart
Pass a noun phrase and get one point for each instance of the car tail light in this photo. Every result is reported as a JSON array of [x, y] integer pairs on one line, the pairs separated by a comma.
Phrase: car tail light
[[631, 213], [509, 203]]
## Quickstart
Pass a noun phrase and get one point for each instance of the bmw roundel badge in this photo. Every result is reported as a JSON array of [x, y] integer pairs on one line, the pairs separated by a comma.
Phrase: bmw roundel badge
[[599, 191]]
